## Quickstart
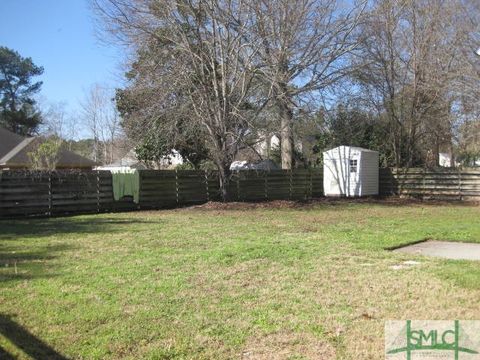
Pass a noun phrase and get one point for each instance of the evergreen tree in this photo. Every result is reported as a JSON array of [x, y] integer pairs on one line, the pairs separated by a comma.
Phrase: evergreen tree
[[18, 112]]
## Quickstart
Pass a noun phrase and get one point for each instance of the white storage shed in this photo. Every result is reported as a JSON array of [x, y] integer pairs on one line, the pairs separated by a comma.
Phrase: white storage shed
[[350, 171]]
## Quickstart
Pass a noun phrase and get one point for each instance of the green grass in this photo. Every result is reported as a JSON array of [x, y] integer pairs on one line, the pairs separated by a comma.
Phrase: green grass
[[291, 283]]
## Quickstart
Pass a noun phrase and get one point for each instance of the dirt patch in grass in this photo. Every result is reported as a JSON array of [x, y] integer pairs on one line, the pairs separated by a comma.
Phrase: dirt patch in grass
[[287, 345], [332, 203], [328, 201], [235, 205]]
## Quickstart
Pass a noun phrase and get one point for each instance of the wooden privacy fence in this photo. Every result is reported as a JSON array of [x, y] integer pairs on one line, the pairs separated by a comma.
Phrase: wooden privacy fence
[[41, 193], [169, 188], [440, 184], [251, 185], [27, 193]]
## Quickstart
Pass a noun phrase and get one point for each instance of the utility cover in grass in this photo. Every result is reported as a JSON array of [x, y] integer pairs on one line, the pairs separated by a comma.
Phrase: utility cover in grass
[[444, 249]]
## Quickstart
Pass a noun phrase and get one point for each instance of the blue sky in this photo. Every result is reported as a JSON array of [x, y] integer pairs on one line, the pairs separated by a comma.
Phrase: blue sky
[[59, 35]]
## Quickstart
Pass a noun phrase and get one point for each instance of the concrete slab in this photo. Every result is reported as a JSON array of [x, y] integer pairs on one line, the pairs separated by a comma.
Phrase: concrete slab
[[444, 249]]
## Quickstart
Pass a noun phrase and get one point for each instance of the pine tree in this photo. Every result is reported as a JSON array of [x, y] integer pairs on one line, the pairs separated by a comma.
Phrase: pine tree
[[18, 112]]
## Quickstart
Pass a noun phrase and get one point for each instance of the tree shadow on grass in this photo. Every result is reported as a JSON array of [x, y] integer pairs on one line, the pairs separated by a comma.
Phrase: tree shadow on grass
[[4, 355], [21, 263], [23, 257], [11, 229], [25, 341]]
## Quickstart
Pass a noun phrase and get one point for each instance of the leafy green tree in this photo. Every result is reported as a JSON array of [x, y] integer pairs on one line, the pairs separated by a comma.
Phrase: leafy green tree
[[355, 127], [156, 134], [468, 148], [17, 106], [46, 155]]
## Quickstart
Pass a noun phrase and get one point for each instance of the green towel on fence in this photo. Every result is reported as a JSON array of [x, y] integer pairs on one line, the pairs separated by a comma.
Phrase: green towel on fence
[[126, 184]]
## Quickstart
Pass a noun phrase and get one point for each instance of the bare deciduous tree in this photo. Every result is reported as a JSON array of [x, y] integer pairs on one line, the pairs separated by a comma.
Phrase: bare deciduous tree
[[412, 66], [101, 119], [302, 48], [221, 68], [200, 58], [59, 122]]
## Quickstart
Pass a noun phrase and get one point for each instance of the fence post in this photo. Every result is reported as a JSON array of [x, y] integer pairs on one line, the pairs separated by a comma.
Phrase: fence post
[[139, 205], [50, 193], [98, 191], [460, 197], [238, 187], [310, 196], [307, 188], [265, 174], [206, 186], [423, 183], [290, 190], [176, 184]]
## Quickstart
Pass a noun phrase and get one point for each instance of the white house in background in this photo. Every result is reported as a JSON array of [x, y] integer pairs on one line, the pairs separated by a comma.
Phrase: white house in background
[[171, 161], [130, 161], [266, 144], [261, 165], [444, 159], [350, 171]]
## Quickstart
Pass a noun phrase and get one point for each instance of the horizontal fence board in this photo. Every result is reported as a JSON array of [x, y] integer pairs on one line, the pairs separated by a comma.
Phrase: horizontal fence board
[[24, 203], [22, 198]]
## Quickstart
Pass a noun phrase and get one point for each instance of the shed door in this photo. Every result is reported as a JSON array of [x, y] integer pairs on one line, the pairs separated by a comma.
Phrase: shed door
[[334, 177], [353, 176]]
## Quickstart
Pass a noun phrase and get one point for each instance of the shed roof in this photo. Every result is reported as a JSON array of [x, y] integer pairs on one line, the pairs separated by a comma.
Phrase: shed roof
[[356, 148]]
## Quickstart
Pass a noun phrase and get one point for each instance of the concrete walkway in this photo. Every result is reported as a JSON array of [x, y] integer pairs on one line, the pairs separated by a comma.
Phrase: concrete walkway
[[444, 249]]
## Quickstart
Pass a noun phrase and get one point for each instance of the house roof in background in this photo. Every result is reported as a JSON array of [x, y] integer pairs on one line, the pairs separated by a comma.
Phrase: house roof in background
[[8, 141], [14, 151]]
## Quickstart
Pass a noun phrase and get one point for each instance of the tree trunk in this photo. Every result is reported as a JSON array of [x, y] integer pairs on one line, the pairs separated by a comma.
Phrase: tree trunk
[[95, 148], [105, 155], [452, 155], [286, 141], [224, 179]]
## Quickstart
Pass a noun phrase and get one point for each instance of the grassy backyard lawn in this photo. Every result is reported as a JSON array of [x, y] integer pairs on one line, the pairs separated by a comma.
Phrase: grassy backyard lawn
[[309, 282]]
